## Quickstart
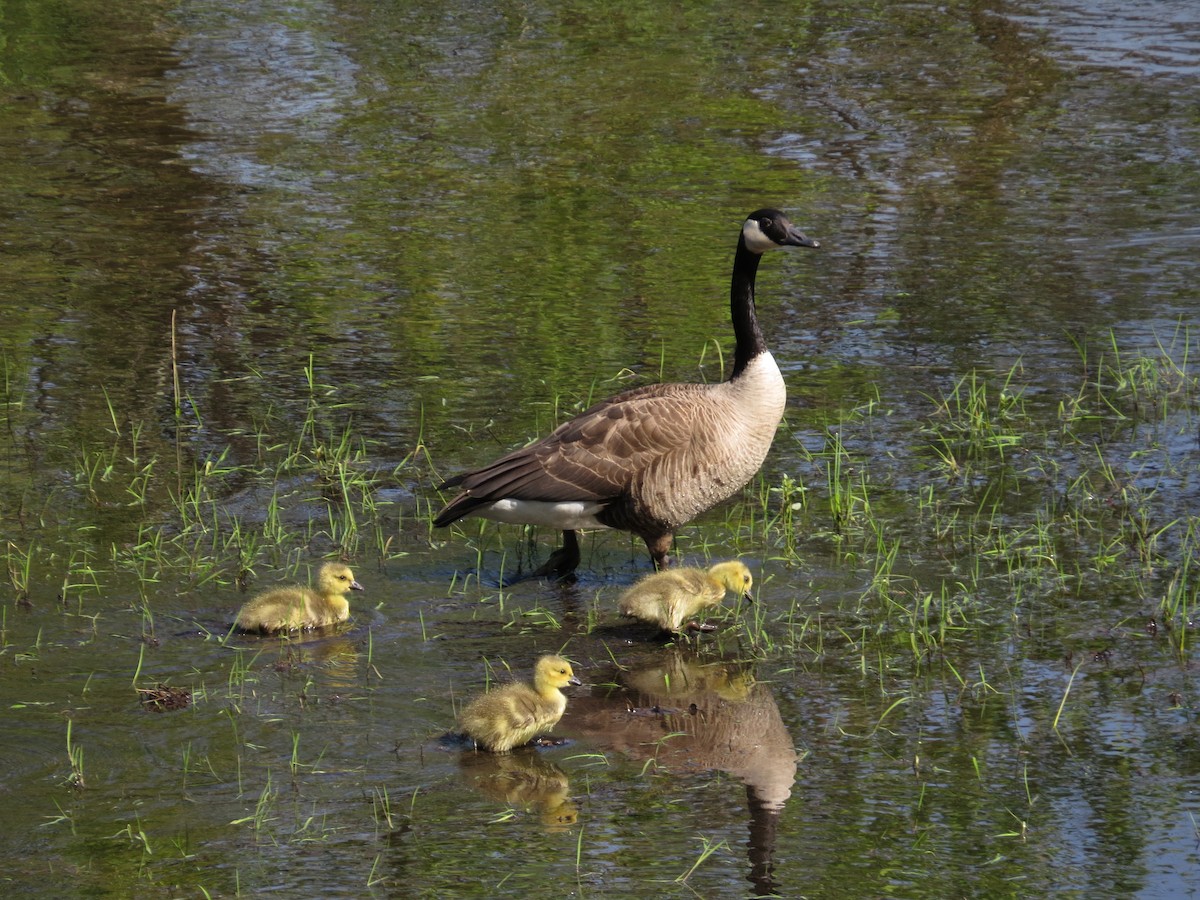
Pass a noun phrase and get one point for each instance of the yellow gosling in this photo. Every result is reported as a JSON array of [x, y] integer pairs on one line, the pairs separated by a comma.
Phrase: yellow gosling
[[670, 597], [297, 607], [514, 714]]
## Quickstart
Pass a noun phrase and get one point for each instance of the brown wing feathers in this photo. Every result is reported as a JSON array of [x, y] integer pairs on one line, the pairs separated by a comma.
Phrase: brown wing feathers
[[595, 457]]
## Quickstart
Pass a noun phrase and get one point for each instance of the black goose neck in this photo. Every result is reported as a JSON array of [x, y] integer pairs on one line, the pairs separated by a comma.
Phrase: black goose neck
[[749, 336]]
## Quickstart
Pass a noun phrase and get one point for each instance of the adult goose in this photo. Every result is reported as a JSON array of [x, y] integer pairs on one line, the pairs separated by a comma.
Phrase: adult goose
[[650, 459]]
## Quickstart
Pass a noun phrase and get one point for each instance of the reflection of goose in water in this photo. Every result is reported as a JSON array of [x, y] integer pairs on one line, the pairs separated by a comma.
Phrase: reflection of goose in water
[[691, 716], [523, 779]]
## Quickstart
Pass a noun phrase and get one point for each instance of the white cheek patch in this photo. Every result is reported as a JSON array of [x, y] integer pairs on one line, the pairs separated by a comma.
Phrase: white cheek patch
[[756, 240]]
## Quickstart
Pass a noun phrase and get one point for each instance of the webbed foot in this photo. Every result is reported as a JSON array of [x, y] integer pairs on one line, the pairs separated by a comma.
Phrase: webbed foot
[[560, 566]]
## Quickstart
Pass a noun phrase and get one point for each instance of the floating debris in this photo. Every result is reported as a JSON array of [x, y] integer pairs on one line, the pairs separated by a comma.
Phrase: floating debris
[[164, 698]]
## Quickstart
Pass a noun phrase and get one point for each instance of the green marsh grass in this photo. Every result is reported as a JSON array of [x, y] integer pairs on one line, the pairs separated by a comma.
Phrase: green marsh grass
[[18, 562], [708, 847], [1143, 386], [903, 581], [262, 815], [976, 421], [847, 480], [225, 513], [791, 502], [76, 779], [1065, 508]]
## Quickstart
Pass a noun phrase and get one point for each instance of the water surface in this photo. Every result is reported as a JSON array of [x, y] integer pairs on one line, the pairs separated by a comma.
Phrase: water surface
[[273, 270]]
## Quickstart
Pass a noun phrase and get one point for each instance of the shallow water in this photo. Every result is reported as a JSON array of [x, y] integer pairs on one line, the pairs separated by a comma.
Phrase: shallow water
[[270, 271]]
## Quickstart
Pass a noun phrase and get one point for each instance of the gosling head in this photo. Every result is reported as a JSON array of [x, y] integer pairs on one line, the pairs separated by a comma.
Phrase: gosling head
[[735, 576], [769, 229], [554, 672], [335, 579]]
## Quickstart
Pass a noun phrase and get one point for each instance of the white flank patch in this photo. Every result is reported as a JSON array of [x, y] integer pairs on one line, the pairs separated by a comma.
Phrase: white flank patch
[[563, 516]]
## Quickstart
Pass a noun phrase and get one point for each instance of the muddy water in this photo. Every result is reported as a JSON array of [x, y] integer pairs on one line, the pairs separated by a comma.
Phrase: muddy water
[[269, 271]]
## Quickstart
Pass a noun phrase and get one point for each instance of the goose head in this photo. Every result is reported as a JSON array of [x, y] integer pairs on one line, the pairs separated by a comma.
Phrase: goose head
[[335, 579], [735, 576], [770, 229]]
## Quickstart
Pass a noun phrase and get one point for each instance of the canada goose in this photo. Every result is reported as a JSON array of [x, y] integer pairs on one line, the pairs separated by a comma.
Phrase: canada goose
[[650, 459], [296, 607], [668, 598], [513, 714]]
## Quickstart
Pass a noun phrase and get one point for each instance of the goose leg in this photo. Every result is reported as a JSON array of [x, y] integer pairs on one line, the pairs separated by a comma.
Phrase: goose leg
[[562, 562], [659, 547]]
